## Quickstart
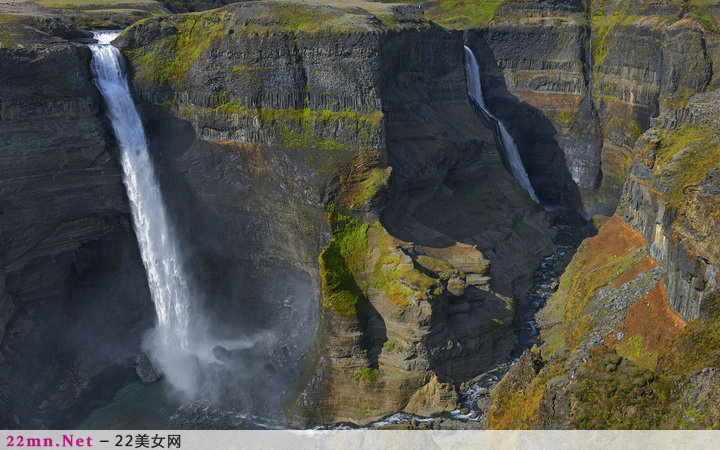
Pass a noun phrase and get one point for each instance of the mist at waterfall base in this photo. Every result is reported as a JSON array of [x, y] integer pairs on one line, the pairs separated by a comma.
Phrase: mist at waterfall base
[[472, 71], [205, 367]]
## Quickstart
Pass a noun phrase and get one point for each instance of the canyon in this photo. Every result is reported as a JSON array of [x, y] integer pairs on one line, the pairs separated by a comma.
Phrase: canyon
[[350, 214]]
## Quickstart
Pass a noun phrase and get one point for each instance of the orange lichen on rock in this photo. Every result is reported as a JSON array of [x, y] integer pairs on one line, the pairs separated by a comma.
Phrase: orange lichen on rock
[[614, 240], [649, 326], [597, 264]]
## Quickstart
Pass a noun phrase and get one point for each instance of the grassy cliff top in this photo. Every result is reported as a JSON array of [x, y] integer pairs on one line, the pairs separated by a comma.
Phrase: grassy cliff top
[[94, 14], [24, 24], [309, 16]]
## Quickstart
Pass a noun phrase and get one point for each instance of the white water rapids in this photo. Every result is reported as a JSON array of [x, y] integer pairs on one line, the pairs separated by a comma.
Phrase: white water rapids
[[472, 71], [159, 250]]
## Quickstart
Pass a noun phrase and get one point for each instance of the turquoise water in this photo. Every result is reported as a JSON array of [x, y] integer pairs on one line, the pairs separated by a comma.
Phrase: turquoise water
[[136, 406]]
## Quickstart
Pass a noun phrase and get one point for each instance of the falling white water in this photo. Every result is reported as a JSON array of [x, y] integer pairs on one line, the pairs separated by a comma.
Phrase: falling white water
[[158, 248], [511, 152]]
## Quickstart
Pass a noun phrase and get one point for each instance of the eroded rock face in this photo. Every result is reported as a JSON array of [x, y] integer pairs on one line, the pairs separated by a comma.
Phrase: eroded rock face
[[633, 325], [433, 398], [670, 198], [354, 141], [71, 282], [577, 86]]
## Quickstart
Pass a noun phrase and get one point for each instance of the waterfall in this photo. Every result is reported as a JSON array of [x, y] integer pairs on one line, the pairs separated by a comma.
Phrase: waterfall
[[159, 250], [511, 152]]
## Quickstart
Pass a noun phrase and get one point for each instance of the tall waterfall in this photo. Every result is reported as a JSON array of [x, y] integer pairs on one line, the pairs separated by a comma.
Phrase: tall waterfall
[[159, 250], [511, 152]]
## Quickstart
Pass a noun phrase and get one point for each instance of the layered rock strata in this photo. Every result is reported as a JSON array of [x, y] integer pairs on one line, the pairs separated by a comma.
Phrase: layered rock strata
[[630, 336], [578, 82], [70, 263], [375, 163]]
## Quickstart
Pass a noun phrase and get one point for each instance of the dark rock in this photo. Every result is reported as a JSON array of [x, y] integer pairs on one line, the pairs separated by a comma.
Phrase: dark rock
[[221, 353], [70, 267], [146, 370]]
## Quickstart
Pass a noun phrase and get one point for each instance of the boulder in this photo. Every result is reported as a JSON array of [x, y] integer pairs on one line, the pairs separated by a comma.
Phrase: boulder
[[433, 398], [145, 369]]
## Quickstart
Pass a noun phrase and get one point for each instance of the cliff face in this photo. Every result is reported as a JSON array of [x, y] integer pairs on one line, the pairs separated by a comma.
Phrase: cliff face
[[351, 139], [670, 199], [578, 82], [635, 297], [70, 263]]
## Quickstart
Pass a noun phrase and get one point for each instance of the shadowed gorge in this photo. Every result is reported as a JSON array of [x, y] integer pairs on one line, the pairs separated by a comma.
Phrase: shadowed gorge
[[347, 213]]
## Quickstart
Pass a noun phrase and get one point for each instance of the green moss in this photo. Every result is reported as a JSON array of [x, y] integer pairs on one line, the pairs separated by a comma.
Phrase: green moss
[[399, 280], [604, 25], [435, 267], [495, 326], [625, 126], [553, 341], [303, 129], [10, 27], [684, 157], [564, 119], [344, 273], [365, 374], [390, 346], [169, 60], [706, 20], [515, 406], [340, 263], [632, 347], [377, 179]]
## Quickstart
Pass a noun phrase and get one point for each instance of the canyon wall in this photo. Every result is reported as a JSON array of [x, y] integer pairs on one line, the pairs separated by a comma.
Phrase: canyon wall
[[578, 82], [634, 324], [350, 139], [70, 263]]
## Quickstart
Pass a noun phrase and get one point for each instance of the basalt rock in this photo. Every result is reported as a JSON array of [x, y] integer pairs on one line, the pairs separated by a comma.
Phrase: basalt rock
[[350, 139], [670, 198], [629, 337], [146, 370], [70, 264], [578, 85]]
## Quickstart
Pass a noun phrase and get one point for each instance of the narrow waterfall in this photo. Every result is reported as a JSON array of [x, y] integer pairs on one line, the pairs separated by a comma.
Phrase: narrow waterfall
[[159, 250], [517, 169]]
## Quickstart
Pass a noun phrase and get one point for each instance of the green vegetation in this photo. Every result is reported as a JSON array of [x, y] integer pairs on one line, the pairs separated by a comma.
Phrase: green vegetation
[[697, 345], [579, 287], [369, 187], [553, 341], [463, 14], [303, 129], [398, 279], [706, 20], [632, 348], [365, 374], [327, 139], [624, 126], [341, 262], [684, 157], [564, 119], [434, 267], [168, 61], [516, 401], [619, 396], [495, 326], [105, 4], [8, 33], [345, 273]]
